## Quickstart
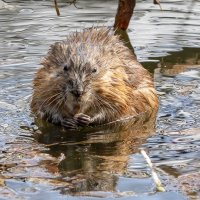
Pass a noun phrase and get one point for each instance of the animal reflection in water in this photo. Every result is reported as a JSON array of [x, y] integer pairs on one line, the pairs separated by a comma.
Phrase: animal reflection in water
[[94, 158]]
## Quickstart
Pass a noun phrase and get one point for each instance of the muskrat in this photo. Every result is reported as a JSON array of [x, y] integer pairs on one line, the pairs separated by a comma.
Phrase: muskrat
[[91, 78]]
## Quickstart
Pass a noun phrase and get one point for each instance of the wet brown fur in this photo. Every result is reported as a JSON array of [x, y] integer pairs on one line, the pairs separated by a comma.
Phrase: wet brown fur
[[121, 87]]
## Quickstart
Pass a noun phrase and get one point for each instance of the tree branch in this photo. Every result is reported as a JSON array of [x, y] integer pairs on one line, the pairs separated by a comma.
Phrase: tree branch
[[124, 14], [56, 7]]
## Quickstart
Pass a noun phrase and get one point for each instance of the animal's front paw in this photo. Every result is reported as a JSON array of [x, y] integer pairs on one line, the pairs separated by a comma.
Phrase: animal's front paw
[[82, 119], [69, 123]]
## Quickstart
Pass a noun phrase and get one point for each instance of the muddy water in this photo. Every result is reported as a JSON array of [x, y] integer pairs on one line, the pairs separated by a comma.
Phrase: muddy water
[[105, 162]]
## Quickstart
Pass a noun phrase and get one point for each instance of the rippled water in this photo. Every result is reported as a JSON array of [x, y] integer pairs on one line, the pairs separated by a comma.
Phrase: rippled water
[[102, 162]]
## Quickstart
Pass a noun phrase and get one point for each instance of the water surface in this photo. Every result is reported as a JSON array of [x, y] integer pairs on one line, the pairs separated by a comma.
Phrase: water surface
[[102, 163]]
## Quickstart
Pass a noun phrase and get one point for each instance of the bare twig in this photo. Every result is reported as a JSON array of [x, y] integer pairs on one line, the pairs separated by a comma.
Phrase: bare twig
[[157, 2], [73, 2], [7, 6], [157, 181], [56, 7]]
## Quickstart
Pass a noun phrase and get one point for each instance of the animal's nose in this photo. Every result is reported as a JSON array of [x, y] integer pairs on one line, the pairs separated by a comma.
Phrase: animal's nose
[[77, 93]]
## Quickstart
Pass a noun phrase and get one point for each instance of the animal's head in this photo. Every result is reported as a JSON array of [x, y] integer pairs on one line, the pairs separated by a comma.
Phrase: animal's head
[[77, 71]]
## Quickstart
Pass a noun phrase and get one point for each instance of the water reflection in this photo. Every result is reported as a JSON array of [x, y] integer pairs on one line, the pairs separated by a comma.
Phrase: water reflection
[[94, 158], [176, 62]]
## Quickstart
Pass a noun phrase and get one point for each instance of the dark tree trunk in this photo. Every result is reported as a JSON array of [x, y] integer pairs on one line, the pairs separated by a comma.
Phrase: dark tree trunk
[[124, 14]]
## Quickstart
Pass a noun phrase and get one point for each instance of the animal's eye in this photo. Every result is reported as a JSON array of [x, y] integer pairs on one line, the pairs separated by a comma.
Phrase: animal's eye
[[94, 70], [66, 68]]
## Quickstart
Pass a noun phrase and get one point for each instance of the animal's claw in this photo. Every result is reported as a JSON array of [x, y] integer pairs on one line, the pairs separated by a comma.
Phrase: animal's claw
[[82, 119], [69, 124]]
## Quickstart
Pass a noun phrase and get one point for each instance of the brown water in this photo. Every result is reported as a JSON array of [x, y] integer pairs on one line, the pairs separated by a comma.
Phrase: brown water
[[103, 162]]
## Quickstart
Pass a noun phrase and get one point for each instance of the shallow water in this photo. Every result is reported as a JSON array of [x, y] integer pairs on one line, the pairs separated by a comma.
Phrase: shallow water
[[103, 162]]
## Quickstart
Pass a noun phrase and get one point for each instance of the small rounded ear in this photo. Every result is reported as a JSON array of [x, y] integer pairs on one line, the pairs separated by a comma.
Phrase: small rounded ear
[[55, 48]]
